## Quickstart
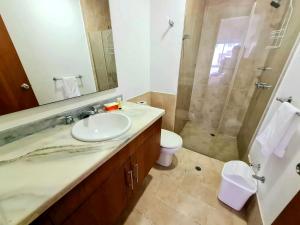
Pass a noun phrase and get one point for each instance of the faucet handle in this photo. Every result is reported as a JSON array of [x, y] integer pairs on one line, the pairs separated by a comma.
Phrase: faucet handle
[[95, 109], [69, 119]]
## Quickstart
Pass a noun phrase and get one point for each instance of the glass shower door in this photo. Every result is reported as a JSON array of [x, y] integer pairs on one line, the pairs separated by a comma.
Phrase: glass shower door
[[224, 28]]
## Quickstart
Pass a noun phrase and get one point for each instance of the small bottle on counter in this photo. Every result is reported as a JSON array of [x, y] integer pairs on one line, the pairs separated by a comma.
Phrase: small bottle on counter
[[119, 101]]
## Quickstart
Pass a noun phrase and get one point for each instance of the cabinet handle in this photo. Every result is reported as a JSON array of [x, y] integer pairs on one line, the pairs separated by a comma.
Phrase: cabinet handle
[[137, 172], [25, 86], [131, 178]]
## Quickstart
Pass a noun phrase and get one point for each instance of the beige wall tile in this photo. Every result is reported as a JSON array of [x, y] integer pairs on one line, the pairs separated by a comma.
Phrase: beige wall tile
[[168, 103], [163, 101], [98, 56], [192, 30], [143, 97], [97, 23], [210, 92], [96, 14]]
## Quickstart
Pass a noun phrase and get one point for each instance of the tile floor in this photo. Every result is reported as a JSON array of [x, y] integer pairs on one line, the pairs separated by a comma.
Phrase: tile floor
[[221, 147], [181, 195]]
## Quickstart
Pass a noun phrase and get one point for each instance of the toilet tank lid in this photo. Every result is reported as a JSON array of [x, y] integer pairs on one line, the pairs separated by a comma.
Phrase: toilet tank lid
[[170, 139]]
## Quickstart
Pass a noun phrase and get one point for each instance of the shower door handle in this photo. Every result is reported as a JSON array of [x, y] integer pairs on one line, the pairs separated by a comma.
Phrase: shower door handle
[[262, 85], [264, 68]]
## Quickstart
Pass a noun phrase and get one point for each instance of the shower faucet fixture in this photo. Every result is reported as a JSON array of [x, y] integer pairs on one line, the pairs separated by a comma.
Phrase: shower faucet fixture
[[275, 3], [261, 179], [262, 85]]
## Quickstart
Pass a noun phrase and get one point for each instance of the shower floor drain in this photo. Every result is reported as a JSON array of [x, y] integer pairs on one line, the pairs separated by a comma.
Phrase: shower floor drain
[[198, 168]]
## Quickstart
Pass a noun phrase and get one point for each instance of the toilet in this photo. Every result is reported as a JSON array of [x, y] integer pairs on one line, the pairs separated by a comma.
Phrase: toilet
[[170, 143]]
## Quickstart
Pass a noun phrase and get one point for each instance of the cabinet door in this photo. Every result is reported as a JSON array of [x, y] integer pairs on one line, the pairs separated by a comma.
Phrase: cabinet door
[[42, 220], [106, 204], [145, 156]]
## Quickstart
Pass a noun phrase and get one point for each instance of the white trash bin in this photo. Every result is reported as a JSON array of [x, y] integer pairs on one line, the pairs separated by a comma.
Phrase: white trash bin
[[237, 184]]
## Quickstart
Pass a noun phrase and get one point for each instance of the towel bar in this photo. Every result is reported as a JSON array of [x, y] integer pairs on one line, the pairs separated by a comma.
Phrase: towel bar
[[56, 79], [289, 100]]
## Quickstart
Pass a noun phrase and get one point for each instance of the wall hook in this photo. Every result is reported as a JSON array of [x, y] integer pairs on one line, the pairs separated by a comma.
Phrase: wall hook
[[171, 23]]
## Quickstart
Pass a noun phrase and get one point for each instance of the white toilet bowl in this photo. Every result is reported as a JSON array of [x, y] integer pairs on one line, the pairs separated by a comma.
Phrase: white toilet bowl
[[169, 144]]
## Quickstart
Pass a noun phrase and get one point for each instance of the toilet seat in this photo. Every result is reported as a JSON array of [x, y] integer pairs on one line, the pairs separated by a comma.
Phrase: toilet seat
[[170, 139]]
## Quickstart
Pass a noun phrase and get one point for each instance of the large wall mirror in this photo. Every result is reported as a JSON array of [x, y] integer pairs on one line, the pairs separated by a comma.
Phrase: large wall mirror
[[53, 50]]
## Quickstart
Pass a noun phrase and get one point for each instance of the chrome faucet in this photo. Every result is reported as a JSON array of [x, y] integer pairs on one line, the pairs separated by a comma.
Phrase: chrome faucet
[[262, 179], [93, 110]]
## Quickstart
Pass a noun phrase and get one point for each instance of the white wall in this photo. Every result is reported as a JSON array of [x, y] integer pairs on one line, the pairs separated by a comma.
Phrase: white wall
[[166, 44], [282, 181], [131, 32], [50, 39]]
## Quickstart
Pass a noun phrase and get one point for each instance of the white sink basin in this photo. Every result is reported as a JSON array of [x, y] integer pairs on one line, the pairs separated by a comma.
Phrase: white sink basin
[[100, 127]]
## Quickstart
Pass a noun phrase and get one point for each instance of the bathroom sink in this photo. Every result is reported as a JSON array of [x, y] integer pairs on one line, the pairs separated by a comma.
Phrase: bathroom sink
[[100, 127]]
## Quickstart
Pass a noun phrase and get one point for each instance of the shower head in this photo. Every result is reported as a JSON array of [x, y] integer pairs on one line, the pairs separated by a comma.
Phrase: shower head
[[275, 3]]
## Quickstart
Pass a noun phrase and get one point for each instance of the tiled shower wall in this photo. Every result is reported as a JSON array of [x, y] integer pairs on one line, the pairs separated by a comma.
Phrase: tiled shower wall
[[219, 100], [263, 21], [223, 22], [276, 59], [191, 37]]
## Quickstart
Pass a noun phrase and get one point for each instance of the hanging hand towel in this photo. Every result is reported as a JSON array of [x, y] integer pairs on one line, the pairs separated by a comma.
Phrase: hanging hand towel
[[279, 131], [70, 87]]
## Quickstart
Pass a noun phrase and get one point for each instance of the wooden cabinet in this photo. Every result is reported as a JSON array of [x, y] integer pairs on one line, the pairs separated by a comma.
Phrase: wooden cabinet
[[106, 204], [103, 196], [289, 216], [42, 220], [144, 158]]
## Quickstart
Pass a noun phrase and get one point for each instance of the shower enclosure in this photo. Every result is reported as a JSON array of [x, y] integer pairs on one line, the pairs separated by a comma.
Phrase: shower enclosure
[[227, 48]]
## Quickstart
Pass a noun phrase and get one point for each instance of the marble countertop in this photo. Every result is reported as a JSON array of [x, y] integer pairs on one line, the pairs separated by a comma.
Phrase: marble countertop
[[39, 169]]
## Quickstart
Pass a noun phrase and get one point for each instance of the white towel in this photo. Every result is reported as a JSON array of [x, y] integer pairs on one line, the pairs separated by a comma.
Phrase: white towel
[[279, 131], [70, 87]]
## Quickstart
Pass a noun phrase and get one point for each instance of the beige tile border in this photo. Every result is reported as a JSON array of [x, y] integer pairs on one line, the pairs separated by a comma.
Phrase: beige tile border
[[160, 100]]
